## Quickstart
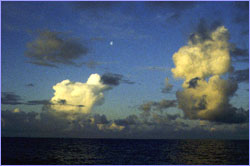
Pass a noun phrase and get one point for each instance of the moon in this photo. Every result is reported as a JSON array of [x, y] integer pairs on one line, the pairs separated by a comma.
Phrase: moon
[[111, 43]]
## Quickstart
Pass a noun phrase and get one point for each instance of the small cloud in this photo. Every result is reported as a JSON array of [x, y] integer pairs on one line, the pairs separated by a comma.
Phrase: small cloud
[[157, 106], [155, 68], [97, 39], [114, 79], [10, 98], [111, 79], [30, 85], [38, 102]]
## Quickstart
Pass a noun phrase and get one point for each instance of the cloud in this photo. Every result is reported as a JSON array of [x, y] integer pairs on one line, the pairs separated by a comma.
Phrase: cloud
[[240, 54], [17, 122], [97, 6], [30, 85], [10, 98], [203, 57], [114, 79], [38, 102], [203, 31], [111, 79], [176, 8], [168, 87], [32, 124], [241, 75], [154, 68], [240, 16], [147, 107], [53, 48], [207, 56], [210, 101], [100, 119], [242, 12], [130, 120], [77, 94]]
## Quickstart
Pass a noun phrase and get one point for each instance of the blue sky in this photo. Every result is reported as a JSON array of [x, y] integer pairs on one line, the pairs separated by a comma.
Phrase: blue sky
[[145, 36]]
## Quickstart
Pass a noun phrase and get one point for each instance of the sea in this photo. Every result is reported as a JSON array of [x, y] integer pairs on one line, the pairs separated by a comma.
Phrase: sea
[[74, 151]]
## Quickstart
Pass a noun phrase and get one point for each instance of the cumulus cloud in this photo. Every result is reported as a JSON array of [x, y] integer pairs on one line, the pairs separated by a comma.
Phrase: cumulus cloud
[[53, 48], [75, 94], [168, 87], [207, 56], [203, 58]]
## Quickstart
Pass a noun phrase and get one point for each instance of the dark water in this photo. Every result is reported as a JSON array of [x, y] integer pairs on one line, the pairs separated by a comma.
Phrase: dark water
[[123, 151]]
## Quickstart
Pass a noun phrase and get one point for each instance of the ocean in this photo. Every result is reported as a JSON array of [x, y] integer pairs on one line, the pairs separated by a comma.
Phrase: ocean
[[74, 151]]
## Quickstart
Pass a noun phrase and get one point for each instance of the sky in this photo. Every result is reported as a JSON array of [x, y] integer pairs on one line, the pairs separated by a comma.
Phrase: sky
[[171, 70]]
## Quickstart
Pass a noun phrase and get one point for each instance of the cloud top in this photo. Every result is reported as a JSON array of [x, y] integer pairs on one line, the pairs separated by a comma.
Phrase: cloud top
[[203, 58]]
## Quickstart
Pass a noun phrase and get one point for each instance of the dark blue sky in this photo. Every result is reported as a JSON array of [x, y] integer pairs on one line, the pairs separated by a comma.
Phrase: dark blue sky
[[44, 43]]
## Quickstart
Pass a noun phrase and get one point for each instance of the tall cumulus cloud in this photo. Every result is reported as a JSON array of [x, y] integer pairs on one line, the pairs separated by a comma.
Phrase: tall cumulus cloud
[[201, 63]]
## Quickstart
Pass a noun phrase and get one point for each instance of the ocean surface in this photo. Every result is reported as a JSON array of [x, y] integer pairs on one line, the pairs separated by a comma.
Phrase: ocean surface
[[67, 151]]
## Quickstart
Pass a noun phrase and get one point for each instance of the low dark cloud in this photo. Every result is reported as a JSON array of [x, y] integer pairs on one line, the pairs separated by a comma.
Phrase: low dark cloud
[[38, 102], [47, 124], [30, 85], [53, 48], [114, 79], [241, 75], [10, 98], [157, 106], [111, 79], [239, 54], [100, 119], [130, 120]]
